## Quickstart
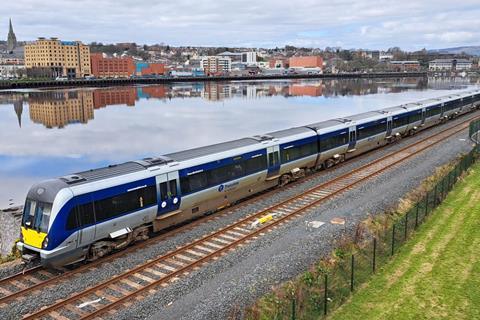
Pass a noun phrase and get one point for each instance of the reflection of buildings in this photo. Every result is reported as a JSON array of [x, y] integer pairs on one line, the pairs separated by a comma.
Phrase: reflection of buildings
[[112, 96], [58, 109], [18, 107], [306, 90], [217, 91]]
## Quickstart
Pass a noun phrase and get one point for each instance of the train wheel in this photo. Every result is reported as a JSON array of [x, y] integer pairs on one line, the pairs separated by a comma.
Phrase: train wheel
[[284, 180], [329, 163]]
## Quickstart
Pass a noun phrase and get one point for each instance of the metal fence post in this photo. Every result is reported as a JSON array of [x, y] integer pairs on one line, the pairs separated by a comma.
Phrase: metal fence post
[[352, 273], [416, 215], [406, 226], [393, 238], [325, 300], [374, 254], [293, 309], [426, 205]]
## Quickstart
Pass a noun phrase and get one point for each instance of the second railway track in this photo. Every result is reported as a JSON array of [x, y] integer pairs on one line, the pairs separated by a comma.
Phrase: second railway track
[[121, 290]]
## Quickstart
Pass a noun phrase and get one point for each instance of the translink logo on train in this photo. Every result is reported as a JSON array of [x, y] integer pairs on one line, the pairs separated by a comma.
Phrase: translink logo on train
[[87, 215]]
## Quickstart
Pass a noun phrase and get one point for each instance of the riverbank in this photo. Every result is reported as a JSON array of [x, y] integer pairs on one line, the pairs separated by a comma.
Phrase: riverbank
[[22, 84], [435, 276]]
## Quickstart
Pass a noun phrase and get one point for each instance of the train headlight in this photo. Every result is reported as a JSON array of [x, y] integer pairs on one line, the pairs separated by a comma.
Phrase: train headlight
[[45, 243]]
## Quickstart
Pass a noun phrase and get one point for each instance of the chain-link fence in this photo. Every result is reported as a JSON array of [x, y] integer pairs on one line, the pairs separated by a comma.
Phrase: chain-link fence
[[331, 283]]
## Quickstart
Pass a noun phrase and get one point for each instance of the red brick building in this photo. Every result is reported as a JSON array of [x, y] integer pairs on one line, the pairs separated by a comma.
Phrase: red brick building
[[146, 68], [103, 66], [306, 62]]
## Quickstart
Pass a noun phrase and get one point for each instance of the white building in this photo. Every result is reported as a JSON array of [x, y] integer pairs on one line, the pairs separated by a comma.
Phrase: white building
[[249, 58], [384, 56], [215, 65], [10, 71], [449, 64]]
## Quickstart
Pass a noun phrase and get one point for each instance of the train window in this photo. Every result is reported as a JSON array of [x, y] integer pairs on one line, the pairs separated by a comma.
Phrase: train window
[[400, 122], [163, 191], [273, 159], [117, 205], [256, 164], [218, 175], [433, 111], [193, 183], [72, 222], [371, 130], [173, 188], [334, 141], [415, 117], [85, 214], [149, 195]]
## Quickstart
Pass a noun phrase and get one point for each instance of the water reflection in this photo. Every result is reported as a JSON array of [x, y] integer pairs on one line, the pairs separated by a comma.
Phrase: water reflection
[[100, 126], [59, 108]]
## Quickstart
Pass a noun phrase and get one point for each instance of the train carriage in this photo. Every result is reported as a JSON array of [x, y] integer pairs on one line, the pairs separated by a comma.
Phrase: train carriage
[[89, 214]]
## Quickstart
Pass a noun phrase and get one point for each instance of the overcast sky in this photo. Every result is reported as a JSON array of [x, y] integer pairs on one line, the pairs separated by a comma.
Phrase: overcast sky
[[267, 23]]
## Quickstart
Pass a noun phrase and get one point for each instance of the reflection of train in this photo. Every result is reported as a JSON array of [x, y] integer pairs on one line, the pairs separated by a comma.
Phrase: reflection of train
[[88, 214]]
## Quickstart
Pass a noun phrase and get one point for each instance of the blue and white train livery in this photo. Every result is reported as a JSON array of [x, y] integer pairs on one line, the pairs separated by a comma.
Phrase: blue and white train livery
[[87, 215]]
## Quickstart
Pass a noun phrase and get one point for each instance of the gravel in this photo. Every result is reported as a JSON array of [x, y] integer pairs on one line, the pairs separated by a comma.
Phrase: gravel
[[237, 279]]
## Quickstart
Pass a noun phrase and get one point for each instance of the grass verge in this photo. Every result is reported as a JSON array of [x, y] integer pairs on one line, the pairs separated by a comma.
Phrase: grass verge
[[436, 275]]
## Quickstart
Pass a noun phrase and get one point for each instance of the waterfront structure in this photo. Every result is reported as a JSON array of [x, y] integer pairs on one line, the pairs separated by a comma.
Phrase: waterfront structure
[[278, 63], [405, 65], [249, 58], [55, 58], [449, 65], [104, 66], [215, 65], [143, 68], [11, 38], [59, 109], [306, 62]]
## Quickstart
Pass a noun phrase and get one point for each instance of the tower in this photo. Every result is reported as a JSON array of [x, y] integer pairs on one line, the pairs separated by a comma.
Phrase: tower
[[11, 39]]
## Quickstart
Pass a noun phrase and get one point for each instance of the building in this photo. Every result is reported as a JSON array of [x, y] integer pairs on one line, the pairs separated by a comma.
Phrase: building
[[143, 68], [11, 39], [59, 109], [449, 65], [385, 56], [54, 58], [111, 67], [278, 63], [249, 58], [11, 71], [215, 65], [234, 56], [306, 62], [404, 65]]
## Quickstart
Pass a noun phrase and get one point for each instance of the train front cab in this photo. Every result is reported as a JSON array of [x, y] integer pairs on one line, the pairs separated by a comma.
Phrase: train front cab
[[34, 229]]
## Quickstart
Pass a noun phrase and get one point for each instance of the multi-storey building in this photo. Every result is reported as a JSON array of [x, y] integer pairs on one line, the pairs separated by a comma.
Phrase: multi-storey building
[[214, 65], [306, 62], [449, 64], [249, 58], [105, 67], [54, 58], [59, 109]]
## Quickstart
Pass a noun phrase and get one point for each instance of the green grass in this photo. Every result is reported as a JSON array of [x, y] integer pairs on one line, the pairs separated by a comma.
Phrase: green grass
[[436, 275]]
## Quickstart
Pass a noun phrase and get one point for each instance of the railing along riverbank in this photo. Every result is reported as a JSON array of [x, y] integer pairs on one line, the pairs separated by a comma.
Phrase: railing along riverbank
[[22, 84]]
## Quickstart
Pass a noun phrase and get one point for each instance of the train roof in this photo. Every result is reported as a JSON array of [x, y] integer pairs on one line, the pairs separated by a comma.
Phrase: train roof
[[105, 172], [212, 149], [290, 132], [325, 124]]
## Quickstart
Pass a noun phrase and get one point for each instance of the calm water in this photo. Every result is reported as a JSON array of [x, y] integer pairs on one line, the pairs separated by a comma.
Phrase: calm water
[[49, 133]]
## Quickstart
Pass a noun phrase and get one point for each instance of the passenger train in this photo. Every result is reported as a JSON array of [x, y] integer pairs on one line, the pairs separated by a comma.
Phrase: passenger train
[[87, 215]]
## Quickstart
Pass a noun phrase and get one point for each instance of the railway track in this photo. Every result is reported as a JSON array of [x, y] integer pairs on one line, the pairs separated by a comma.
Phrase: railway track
[[123, 289]]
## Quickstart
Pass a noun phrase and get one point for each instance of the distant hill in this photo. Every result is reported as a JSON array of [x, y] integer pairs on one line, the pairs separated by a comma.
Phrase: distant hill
[[471, 50]]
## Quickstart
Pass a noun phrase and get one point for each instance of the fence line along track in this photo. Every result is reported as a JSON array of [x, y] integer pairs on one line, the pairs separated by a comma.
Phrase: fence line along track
[[123, 289], [34, 279]]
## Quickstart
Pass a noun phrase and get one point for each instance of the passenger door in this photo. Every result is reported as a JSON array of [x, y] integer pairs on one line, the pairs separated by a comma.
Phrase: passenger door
[[352, 138], [389, 127], [86, 220], [273, 158], [168, 188], [423, 116]]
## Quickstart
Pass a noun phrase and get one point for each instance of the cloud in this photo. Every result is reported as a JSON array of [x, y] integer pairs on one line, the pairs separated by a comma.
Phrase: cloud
[[353, 23]]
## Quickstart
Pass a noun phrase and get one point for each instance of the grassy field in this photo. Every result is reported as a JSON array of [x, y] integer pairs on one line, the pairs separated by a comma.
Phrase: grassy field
[[436, 275]]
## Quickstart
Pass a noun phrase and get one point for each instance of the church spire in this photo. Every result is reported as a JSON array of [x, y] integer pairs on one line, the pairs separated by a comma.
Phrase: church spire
[[11, 39]]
